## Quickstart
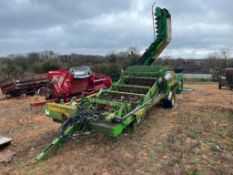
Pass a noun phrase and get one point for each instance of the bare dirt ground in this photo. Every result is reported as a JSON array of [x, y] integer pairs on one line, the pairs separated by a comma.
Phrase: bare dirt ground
[[196, 137]]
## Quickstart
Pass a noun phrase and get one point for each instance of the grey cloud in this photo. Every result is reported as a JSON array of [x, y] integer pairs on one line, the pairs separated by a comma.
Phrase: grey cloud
[[101, 26]]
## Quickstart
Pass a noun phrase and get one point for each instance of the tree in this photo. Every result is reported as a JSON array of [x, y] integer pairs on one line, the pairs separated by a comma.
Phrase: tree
[[133, 51], [112, 70], [10, 69], [34, 56], [45, 67], [50, 65], [112, 58], [225, 53]]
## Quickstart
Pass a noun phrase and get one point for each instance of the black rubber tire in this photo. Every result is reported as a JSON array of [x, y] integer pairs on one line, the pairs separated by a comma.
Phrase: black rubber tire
[[219, 85], [170, 103], [48, 96], [13, 95], [30, 94]]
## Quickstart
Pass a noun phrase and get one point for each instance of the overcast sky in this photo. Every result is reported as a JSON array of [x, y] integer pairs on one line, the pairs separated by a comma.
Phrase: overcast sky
[[102, 26]]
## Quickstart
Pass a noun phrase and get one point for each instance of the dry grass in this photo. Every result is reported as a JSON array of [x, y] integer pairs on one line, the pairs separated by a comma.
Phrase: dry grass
[[194, 138]]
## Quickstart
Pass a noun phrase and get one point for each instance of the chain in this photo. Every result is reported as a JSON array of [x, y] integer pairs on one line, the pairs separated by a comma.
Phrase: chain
[[83, 118]]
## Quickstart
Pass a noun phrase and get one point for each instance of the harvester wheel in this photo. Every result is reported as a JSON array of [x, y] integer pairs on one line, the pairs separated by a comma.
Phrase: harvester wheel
[[219, 85], [64, 117], [170, 101], [48, 96], [12, 95], [30, 93]]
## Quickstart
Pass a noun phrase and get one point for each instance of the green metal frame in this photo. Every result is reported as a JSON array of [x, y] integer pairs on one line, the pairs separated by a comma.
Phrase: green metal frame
[[163, 37]]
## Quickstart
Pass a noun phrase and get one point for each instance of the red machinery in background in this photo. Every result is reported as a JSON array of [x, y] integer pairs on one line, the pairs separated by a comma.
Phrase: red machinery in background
[[65, 84], [24, 84]]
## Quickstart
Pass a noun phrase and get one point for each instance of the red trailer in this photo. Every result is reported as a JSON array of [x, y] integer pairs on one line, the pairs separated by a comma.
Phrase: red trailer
[[27, 84]]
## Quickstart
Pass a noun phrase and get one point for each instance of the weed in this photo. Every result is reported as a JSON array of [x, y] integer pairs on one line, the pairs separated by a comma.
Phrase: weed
[[194, 172], [193, 134], [216, 148], [196, 161]]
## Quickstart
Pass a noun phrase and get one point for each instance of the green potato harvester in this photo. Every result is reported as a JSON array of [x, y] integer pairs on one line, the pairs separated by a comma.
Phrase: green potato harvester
[[125, 104]]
